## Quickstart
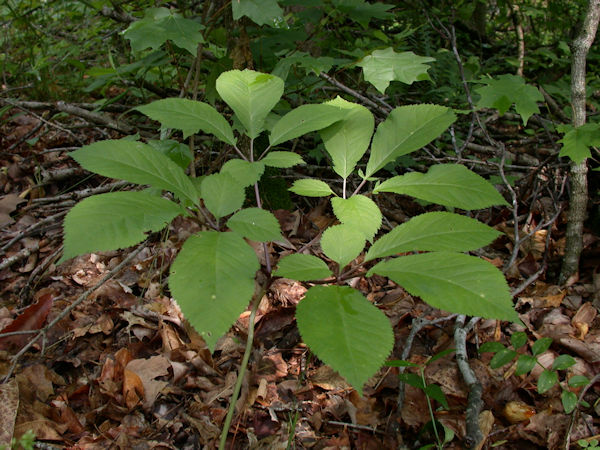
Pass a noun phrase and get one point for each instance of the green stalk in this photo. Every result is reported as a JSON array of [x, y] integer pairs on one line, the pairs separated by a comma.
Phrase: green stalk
[[243, 366]]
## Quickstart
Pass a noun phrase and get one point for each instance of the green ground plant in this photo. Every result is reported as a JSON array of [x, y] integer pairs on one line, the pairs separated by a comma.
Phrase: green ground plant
[[214, 276], [525, 363]]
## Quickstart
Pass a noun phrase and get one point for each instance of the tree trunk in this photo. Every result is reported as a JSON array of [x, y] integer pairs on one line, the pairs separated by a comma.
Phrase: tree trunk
[[578, 172]]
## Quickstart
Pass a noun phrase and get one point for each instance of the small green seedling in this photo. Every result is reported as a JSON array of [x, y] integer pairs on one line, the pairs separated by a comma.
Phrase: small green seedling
[[525, 364]]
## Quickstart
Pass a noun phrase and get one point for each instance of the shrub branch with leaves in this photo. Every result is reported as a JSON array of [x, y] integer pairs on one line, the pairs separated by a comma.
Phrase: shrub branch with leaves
[[213, 276]]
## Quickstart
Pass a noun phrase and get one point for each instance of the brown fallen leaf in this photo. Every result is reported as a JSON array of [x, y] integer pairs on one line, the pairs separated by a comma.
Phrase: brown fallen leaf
[[147, 370], [32, 318], [517, 411], [133, 389], [9, 403]]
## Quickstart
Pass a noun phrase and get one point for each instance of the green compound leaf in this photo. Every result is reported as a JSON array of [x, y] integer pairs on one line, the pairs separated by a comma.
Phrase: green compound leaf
[[342, 243], [518, 339], [255, 224], [251, 95], [160, 25], [245, 173], [137, 163], [282, 160], [501, 93], [541, 345], [434, 231], [362, 11], [212, 280], [359, 212], [434, 391], [190, 116], [563, 362], [304, 119], [569, 401], [311, 188], [222, 194], [453, 282], [502, 358], [547, 379], [302, 267], [577, 141], [179, 153], [492, 347], [261, 12], [577, 381], [383, 66], [407, 128], [348, 140], [114, 220], [450, 185], [525, 363], [345, 331]]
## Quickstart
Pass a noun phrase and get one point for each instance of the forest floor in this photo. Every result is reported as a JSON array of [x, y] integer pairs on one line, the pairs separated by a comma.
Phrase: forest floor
[[120, 368]]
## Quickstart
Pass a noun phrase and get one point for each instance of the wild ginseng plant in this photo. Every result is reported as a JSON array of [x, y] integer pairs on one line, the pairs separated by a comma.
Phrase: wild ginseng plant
[[213, 276]]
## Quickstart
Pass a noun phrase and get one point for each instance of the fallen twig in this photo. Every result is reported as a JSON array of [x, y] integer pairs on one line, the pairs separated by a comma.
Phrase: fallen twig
[[474, 402]]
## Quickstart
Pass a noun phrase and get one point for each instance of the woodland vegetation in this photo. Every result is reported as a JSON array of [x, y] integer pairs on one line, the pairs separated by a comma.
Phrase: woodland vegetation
[[299, 224]]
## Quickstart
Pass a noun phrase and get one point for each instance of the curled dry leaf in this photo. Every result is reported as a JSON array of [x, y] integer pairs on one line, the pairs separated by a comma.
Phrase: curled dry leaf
[[583, 318], [517, 411]]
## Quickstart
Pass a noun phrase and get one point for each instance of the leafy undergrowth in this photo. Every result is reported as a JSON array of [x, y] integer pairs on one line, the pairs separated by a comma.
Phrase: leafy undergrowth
[[123, 369]]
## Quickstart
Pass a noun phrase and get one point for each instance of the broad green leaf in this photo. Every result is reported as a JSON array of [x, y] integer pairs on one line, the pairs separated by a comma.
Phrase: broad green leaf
[[311, 188], [407, 128], [400, 363], [541, 345], [434, 391], [493, 347], [412, 379], [255, 224], [179, 153], [345, 331], [342, 243], [245, 173], [440, 355], [251, 95], [547, 379], [114, 220], [501, 93], [304, 119], [502, 358], [525, 363], [302, 267], [212, 280], [569, 401], [190, 116], [362, 11], [383, 66], [577, 142], [307, 62], [160, 25], [137, 163], [563, 362], [518, 339], [577, 381], [434, 231], [348, 140], [450, 185], [282, 160], [358, 212], [453, 282], [261, 12], [222, 194]]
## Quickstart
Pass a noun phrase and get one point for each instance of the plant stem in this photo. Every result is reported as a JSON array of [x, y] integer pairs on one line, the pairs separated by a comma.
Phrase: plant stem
[[238, 383]]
